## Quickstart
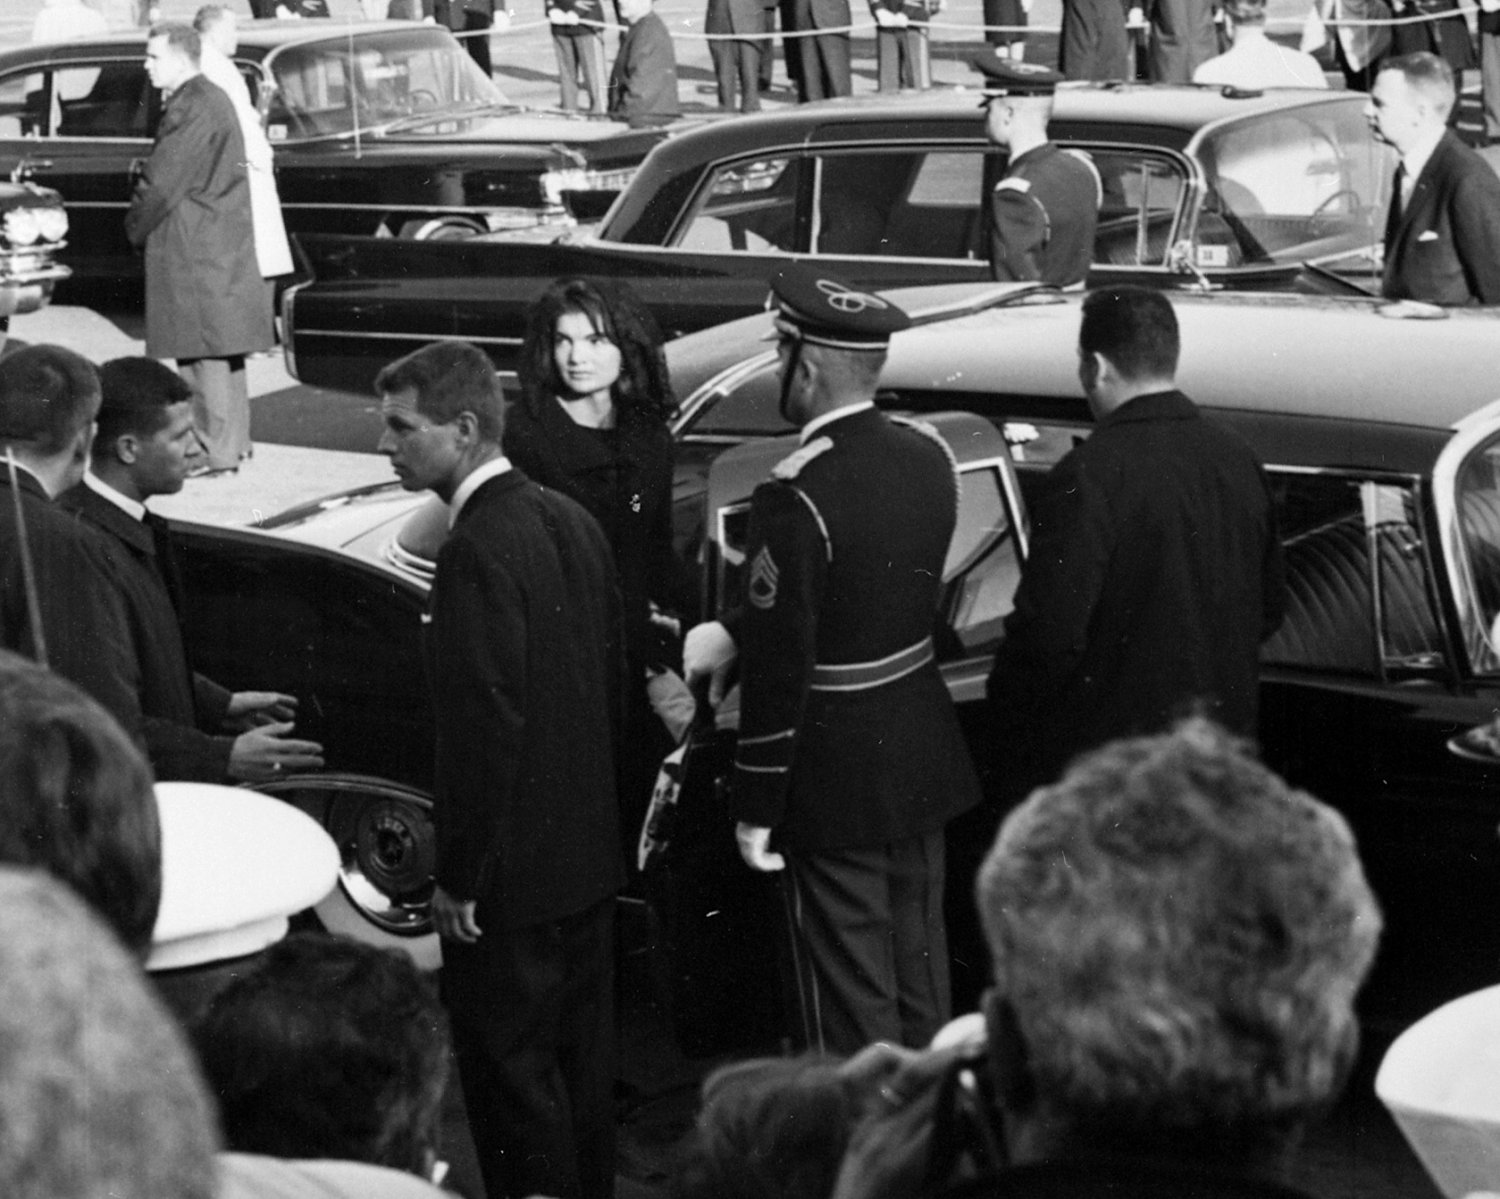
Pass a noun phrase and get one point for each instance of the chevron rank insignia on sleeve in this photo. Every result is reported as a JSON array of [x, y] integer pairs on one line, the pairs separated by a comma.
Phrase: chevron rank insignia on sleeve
[[764, 575], [792, 464]]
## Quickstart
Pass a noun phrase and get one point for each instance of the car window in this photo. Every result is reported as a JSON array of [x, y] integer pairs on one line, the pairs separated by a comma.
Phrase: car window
[[1298, 184], [750, 408], [902, 202], [1138, 214], [745, 207], [1478, 510], [1359, 592], [24, 105], [326, 87]]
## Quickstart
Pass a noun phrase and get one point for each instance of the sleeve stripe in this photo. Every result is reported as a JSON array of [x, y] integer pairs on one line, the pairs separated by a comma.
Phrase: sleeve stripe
[[781, 736]]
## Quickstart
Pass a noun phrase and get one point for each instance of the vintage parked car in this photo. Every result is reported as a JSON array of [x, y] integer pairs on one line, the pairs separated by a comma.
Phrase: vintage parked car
[[1380, 425], [33, 228], [379, 128], [1202, 187]]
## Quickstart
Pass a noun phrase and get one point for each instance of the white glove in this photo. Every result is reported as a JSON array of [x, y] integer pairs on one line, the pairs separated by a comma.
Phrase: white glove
[[500, 22], [1136, 19], [708, 651], [884, 17]]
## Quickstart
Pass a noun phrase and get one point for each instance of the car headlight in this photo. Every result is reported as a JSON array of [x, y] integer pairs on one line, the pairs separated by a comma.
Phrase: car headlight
[[53, 223], [22, 226]]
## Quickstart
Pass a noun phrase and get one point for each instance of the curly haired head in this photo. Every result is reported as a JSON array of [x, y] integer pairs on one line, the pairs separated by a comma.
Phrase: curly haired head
[[1178, 937], [644, 389]]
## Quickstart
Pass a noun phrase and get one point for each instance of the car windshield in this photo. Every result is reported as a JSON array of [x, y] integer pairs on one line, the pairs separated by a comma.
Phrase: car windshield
[[334, 86], [1306, 184]]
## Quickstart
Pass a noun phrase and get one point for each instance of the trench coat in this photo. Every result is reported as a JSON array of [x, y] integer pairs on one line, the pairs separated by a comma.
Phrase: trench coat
[[205, 297]]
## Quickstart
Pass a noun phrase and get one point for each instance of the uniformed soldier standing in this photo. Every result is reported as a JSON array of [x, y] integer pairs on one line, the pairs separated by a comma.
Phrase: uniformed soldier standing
[[850, 758], [1045, 210]]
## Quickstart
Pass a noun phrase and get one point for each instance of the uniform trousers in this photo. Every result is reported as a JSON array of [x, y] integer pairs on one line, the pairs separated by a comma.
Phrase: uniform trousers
[[901, 58], [532, 1011], [868, 948], [585, 53], [221, 407], [737, 71]]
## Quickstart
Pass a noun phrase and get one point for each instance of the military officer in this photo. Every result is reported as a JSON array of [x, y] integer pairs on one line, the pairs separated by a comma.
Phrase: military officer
[[850, 760], [1044, 211]]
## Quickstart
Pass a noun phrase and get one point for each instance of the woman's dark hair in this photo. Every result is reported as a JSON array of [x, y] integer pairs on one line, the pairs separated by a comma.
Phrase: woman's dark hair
[[644, 388]]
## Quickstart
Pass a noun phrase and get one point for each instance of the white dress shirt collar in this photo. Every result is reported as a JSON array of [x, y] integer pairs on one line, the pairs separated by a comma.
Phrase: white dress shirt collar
[[476, 478], [132, 508]]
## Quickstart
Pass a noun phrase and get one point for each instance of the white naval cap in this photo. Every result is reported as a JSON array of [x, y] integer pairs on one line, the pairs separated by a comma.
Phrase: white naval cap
[[1440, 1079], [235, 865]]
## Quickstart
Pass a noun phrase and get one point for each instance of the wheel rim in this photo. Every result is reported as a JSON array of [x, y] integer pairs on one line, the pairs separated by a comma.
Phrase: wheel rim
[[386, 841]]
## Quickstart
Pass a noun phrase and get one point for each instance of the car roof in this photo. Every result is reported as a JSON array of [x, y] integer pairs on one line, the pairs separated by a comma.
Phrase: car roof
[[1181, 110], [256, 39], [1316, 380]]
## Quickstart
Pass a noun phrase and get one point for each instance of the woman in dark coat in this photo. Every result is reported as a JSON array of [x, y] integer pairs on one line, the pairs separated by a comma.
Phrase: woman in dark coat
[[592, 423]]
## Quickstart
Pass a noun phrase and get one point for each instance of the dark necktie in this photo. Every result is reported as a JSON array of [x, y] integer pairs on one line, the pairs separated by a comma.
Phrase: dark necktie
[[166, 558]]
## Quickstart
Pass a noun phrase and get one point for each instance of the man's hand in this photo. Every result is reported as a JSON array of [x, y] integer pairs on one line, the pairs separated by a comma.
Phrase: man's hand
[[267, 753], [884, 17], [251, 709], [708, 651], [454, 917], [754, 848]]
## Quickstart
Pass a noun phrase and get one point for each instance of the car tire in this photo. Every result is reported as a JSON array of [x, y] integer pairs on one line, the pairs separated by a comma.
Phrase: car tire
[[387, 851], [438, 228]]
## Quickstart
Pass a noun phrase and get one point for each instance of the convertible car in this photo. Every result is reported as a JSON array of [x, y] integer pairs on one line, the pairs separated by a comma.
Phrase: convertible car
[[1202, 188], [381, 128], [33, 229], [1380, 690]]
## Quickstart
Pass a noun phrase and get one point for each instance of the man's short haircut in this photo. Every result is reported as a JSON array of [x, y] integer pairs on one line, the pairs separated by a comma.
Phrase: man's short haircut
[[330, 1048], [136, 395], [449, 377], [181, 36], [1246, 12], [48, 395], [99, 1093], [1135, 328], [76, 798], [1179, 936], [1427, 75], [210, 15]]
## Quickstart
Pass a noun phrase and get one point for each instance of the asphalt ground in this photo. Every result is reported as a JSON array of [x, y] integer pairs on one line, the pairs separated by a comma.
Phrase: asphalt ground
[[311, 442]]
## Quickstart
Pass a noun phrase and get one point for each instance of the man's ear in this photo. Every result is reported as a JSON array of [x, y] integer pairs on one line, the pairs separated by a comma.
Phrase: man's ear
[[467, 425], [125, 449], [83, 444]]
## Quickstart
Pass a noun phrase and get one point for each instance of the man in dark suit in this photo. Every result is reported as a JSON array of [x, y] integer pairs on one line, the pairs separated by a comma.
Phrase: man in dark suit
[[850, 761], [520, 649], [471, 21], [1155, 569], [58, 604], [643, 83], [193, 729], [1442, 237]]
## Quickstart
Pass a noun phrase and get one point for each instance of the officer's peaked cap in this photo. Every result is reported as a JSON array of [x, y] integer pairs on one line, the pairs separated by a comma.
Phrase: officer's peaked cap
[[1004, 77], [824, 310]]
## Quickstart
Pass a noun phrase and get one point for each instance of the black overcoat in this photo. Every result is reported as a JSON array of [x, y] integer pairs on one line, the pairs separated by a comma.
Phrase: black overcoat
[[1155, 573]]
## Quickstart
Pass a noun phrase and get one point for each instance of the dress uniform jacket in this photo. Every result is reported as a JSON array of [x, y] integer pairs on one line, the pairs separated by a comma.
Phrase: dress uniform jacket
[[1443, 245], [520, 644], [175, 703], [1154, 575], [82, 617], [848, 737], [1043, 216], [643, 82], [191, 211]]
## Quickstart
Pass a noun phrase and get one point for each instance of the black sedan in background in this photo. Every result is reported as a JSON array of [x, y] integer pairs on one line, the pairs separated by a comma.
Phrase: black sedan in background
[[380, 128], [1202, 187]]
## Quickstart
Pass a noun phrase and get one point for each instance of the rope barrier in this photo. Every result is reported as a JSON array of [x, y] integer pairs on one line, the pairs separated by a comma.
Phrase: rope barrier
[[936, 26]]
